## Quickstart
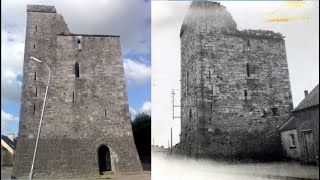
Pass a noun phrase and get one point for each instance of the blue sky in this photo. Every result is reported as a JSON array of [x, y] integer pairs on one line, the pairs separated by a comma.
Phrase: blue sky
[[129, 19]]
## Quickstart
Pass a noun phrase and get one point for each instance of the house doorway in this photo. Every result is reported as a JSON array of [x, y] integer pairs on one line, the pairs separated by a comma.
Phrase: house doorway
[[104, 159], [309, 147]]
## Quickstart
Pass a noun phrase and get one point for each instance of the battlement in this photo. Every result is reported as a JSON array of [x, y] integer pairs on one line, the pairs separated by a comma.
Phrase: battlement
[[41, 8], [89, 35], [205, 4]]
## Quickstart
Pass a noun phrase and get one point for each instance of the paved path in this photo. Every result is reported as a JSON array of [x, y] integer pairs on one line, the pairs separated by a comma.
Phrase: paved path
[[146, 175], [189, 169]]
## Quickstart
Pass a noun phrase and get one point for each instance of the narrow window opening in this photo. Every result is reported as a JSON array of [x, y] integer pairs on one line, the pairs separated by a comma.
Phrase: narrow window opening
[[34, 46], [190, 113], [35, 76], [76, 70], [211, 106], [209, 74], [245, 94], [105, 113], [36, 91], [248, 70], [72, 96], [248, 42], [34, 109], [79, 44], [36, 28]]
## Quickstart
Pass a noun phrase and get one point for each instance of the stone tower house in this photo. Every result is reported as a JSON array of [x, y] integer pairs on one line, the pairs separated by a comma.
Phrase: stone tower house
[[86, 126], [235, 88]]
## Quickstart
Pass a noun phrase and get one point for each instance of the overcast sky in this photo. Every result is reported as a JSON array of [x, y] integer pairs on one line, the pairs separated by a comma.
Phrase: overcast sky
[[129, 19], [301, 39]]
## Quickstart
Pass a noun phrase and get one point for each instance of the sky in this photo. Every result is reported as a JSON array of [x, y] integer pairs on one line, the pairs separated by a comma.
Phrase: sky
[[301, 38], [129, 19]]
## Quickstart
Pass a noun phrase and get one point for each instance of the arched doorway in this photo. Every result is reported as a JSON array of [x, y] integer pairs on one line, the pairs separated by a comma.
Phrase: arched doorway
[[104, 159]]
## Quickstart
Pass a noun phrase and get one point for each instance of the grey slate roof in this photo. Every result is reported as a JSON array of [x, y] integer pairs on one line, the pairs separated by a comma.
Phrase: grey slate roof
[[9, 142], [312, 99], [289, 125]]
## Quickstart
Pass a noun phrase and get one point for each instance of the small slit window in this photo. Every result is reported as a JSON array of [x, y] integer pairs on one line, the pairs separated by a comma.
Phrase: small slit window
[[36, 91], [72, 96], [35, 76], [211, 106], [248, 70], [34, 109], [245, 94], [34, 46], [105, 112], [77, 70], [79, 45], [36, 28], [248, 43], [190, 113]]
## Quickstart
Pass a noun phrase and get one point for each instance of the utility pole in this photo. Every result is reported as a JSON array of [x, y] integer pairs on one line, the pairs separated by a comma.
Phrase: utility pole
[[171, 142]]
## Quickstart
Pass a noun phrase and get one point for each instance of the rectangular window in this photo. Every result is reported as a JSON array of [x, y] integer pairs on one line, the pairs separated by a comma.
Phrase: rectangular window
[[35, 76], [292, 141], [72, 96], [275, 111], [36, 91]]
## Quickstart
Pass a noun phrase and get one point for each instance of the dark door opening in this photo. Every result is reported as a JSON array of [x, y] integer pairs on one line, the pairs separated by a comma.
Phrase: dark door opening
[[104, 159]]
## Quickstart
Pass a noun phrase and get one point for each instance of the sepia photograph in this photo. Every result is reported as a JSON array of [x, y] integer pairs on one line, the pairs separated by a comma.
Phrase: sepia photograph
[[235, 90]]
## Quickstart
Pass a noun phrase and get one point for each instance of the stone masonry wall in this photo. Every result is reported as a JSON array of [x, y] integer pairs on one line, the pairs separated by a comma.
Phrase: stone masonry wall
[[242, 85], [81, 113]]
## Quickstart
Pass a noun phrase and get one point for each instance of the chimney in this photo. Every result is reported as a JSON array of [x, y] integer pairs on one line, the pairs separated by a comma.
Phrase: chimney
[[11, 136], [306, 93]]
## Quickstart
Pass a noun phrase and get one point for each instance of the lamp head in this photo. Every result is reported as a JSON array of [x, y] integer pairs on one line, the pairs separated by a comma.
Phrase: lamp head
[[35, 59]]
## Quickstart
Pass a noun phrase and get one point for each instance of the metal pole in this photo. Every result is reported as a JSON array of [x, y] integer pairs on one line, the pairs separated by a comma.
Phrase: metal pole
[[171, 141], [40, 123]]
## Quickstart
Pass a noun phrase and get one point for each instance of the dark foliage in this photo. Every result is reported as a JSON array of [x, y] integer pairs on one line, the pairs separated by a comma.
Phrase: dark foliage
[[141, 127]]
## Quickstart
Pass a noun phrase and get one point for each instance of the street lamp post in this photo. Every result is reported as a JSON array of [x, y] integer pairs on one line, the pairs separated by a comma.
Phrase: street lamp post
[[40, 123]]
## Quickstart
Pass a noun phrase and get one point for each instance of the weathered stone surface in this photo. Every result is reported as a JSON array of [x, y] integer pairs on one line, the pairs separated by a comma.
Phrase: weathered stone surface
[[235, 88], [82, 113]]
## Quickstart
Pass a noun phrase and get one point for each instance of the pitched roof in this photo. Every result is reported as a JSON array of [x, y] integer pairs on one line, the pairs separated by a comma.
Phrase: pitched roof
[[289, 125], [311, 99], [9, 142]]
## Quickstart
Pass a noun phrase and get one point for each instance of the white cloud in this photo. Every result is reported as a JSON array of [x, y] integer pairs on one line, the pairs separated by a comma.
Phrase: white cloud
[[133, 113], [7, 119], [124, 18], [135, 71], [10, 87], [146, 107]]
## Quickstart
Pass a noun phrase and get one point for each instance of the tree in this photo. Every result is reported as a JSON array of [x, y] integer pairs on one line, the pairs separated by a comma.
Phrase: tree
[[141, 127]]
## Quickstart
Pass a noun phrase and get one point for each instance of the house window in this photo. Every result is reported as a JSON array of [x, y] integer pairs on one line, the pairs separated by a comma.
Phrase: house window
[[248, 70], [77, 70], [292, 141], [79, 44], [275, 111]]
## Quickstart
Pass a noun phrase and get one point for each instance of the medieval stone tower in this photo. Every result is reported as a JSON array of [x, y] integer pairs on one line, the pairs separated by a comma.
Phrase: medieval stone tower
[[235, 88], [86, 126]]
